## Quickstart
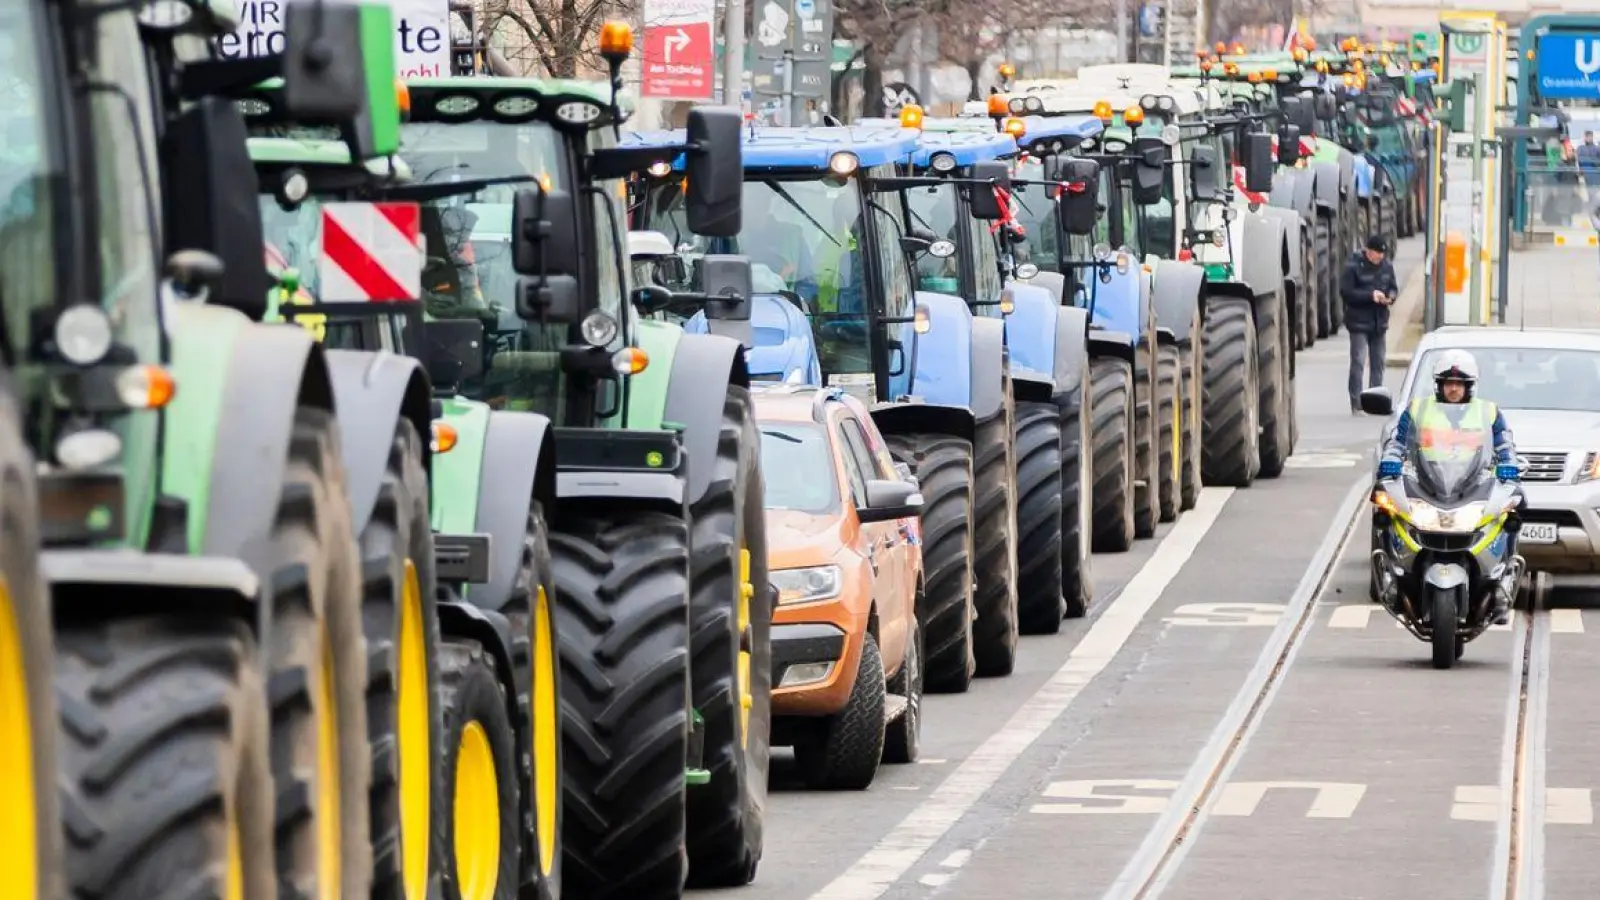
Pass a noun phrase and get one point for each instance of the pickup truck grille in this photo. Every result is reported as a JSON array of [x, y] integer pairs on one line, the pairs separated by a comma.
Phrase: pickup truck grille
[[1545, 467]]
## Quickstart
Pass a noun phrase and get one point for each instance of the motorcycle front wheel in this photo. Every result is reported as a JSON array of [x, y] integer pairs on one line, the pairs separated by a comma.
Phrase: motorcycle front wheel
[[1442, 605]]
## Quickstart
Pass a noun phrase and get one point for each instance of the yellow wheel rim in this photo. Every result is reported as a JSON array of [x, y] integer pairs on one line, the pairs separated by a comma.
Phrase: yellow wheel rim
[[746, 696], [328, 812], [412, 701], [234, 888], [19, 841], [477, 815], [546, 730]]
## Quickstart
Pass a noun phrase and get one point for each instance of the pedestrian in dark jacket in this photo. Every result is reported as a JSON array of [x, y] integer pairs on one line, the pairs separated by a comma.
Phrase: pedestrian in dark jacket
[[1368, 289]]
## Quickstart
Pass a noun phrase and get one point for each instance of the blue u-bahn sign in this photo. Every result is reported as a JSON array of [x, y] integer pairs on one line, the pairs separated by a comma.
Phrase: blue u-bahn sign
[[1569, 66]]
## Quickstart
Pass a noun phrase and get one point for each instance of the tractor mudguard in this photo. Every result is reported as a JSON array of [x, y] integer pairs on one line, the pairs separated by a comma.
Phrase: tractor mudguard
[[1111, 343], [519, 466], [1053, 282], [371, 391], [703, 368], [1030, 333], [782, 345], [943, 367], [152, 582], [1072, 348], [1263, 249], [666, 491], [228, 437], [1235, 290], [1332, 184], [1304, 200], [1166, 336], [988, 368], [1121, 304], [921, 418], [1290, 222], [458, 618], [1176, 297]]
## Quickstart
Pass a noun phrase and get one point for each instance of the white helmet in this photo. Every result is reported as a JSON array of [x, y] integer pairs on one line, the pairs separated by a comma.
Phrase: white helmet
[[1456, 365]]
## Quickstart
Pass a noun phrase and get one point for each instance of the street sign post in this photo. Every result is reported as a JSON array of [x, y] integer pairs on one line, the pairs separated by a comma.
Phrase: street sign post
[[679, 50]]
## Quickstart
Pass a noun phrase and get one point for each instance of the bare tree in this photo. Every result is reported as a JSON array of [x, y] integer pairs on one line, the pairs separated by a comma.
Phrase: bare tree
[[557, 36], [875, 26]]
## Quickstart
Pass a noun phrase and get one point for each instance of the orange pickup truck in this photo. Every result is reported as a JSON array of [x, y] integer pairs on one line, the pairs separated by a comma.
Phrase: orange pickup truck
[[844, 550]]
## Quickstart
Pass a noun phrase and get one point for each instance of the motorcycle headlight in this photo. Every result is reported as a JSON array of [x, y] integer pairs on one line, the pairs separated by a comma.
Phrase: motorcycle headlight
[[1424, 515], [806, 584]]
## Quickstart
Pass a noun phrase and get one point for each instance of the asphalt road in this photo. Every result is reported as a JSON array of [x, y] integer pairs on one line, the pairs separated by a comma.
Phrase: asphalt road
[[1234, 720]]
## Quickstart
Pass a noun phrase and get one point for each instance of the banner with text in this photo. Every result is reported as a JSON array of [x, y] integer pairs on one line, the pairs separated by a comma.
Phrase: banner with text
[[421, 34], [679, 58]]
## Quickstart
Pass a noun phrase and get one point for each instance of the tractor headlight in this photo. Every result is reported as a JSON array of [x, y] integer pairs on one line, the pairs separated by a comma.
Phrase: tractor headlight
[[83, 334], [598, 329]]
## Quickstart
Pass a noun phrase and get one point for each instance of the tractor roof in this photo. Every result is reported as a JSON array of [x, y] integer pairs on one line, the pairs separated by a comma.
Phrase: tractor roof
[[806, 147], [305, 153], [454, 98]]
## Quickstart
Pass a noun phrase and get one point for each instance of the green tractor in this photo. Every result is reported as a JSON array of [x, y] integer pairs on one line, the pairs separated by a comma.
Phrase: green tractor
[[223, 625], [644, 475]]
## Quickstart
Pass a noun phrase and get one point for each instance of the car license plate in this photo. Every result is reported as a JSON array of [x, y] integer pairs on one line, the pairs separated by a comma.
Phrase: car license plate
[[1538, 532]]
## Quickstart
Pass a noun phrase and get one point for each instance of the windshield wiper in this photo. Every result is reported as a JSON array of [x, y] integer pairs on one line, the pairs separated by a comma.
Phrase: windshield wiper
[[778, 189], [422, 191], [783, 437]]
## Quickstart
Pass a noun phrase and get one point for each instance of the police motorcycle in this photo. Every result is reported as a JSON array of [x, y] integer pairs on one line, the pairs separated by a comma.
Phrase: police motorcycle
[[1445, 556]]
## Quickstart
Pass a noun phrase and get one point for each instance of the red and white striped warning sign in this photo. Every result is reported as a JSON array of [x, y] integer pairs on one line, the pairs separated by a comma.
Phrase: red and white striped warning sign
[[370, 251]]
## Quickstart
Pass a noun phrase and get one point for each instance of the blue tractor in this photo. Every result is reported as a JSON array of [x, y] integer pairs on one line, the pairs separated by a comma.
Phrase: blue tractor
[[955, 192], [823, 239]]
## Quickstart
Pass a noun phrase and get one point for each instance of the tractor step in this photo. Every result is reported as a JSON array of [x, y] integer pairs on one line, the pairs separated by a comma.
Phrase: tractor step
[[697, 776], [461, 557], [894, 706]]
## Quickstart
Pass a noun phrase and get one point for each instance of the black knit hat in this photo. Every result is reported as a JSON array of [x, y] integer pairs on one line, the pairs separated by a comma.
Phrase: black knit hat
[[1377, 243]]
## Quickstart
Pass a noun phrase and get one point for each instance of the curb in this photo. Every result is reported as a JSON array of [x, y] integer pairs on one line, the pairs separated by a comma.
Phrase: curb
[[1408, 313]]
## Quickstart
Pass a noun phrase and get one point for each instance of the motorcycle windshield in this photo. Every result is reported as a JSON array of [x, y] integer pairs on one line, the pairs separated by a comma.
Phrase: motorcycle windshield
[[1451, 464]]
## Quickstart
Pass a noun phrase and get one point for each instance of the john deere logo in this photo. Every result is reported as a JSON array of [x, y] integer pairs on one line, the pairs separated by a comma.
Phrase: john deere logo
[[653, 459]]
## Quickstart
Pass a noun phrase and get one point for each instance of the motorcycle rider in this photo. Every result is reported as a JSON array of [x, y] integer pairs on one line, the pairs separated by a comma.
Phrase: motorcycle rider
[[1454, 408]]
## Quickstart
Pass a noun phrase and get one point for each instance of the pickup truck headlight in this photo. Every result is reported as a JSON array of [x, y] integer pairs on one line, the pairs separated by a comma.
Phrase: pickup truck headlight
[[1590, 470], [808, 583]]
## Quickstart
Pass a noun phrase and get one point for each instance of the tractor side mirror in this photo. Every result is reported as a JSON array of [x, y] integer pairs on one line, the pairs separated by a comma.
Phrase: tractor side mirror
[[728, 284], [544, 251], [455, 351], [1258, 165], [1288, 145], [715, 166], [324, 63], [1151, 155], [1080, 196], [1204, 177], [985, 200], [1326, 107], [206, 149]]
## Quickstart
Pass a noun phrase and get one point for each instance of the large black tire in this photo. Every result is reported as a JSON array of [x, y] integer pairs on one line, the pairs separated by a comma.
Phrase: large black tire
[[1277, 411], [27, 700], [994, 563], [163, 759], [1111, 414], [481, 770], [1146, 459], [1229, 400], [400, 620], [902, 738], [1077, 486], [622, 617], [316, 602], [1189, 490], [1310, 286], [1442, 622], [730, 611], [1327, 276], [1040, 603], [943, 467], [1169, 412], [844, 752]]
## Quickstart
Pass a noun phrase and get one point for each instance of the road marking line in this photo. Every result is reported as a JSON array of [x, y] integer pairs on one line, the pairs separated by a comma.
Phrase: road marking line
[[1351, 615], [1126, 804], [1227, 614], [1334, 800], [1563, 806], [934, 879], [871, 876], [1476, 803], [931, 762], [1566, 621], [957, 859]]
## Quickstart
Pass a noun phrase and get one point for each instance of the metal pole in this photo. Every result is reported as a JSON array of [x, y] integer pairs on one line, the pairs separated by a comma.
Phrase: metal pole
[[1508, 186], [1122, 30], [787, 116], [733, 55]]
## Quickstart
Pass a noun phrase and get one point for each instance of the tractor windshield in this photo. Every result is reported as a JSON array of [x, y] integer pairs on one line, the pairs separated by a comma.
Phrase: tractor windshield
[[29, 164], [933, 210]]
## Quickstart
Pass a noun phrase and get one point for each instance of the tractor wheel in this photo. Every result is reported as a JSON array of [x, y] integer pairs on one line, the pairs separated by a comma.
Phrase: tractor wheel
[[1311, 290], [844, 751], [943, 467], [164, 760], [480, 767], [1327, 277], [730, 611], [1276, 409], [1077, 523], [1111, 411], [1147, 463], [1189, 491], [994, 631], [1039, 519], [1169, 412], [401, 622], [623, 622], [317, 676], [30, 823], [1230, 403]]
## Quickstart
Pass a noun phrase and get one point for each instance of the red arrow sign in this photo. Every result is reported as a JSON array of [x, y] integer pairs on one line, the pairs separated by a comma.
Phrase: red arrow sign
[[677, 61]]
